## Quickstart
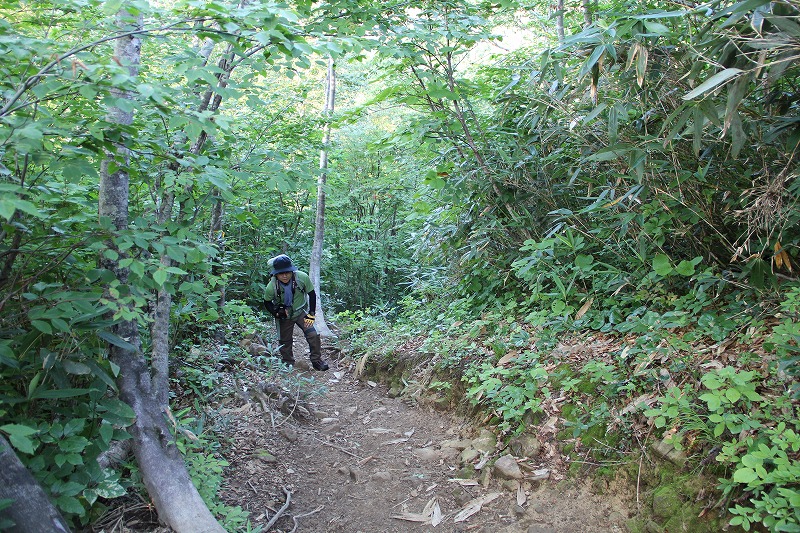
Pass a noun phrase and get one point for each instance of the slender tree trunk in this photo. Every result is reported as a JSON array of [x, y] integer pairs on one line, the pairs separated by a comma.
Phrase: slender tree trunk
[[31, 510], [217, 239], [560, 20], [164, 473], [587, 12], [319, 223]]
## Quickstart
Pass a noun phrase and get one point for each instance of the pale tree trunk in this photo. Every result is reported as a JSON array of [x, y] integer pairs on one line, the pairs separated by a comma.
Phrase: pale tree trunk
[[31, 510], [587, 13], [176, 499], [560, 20], [319, 223]]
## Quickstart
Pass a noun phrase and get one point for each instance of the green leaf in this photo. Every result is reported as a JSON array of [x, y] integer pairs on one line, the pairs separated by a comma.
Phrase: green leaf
[[56, 394], [18, 429], [76, 368], [116, 340], [662, 265], [70, 505], [733, 395], [712, 400], [160, 276], [685, 268], [745, 475], [74, 444], [713, 82], [23, 444]]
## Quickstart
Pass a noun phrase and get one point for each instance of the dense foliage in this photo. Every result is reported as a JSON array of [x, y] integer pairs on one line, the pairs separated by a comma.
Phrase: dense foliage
[[491, 187]]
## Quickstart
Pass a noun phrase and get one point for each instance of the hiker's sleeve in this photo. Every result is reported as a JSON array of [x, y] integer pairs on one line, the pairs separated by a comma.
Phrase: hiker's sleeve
[[312, 302], [269, 296]]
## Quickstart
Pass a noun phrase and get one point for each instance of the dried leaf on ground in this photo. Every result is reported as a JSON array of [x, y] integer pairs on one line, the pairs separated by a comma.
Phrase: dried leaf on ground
[[474, 506], [521, 498]]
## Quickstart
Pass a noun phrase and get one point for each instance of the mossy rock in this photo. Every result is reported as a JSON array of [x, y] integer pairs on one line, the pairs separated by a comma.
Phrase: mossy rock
[[667, 502]]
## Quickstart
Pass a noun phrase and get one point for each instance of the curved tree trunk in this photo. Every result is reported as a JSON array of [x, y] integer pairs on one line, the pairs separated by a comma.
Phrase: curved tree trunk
[[31, 510], [176, 499], [319, 223]]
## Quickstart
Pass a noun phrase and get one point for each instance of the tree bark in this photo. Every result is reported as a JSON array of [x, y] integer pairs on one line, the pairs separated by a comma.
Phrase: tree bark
[[32, 511], [319, 223], [587, 13], [164, 473], [560, 20]]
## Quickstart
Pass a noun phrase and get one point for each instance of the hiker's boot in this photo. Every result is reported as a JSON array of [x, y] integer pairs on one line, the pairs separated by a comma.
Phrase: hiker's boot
[[288, 362], [320, 365]]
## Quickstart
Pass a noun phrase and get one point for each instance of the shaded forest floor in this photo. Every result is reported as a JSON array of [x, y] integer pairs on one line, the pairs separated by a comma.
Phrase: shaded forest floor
[[350, 458]]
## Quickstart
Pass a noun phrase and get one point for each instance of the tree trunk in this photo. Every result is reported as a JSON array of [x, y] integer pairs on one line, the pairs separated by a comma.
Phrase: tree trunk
[[164, 473], [216, 238], [319, 223], [31, 510], [587, 13], [560, 20]]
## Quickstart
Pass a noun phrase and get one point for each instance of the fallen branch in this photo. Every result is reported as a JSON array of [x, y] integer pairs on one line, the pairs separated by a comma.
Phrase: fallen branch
[[294, 518], [280, 511]]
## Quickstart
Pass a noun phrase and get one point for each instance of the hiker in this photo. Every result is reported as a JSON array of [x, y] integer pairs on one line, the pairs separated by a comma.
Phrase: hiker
[[291, 299]]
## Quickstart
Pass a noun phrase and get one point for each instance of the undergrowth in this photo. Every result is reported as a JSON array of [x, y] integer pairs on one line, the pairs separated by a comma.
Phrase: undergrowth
[[712, 374]]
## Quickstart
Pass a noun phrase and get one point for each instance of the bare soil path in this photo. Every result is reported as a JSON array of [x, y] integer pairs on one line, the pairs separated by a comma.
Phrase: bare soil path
[[355, 460]]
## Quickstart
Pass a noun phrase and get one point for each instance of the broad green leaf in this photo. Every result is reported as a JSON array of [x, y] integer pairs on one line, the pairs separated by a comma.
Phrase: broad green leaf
[[22, 443], [713, 401], [745, 475], [733, 395], [116, 340], [712, 83], [685, 268], [18, 429], [662, 265]]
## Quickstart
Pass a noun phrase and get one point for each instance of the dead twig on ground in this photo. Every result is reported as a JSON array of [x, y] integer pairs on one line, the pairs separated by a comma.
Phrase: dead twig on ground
[[294, 518], [281, 510], [351, 454]]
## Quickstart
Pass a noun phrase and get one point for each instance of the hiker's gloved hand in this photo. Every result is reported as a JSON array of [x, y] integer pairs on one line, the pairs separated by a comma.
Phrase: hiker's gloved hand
[[308, 322]]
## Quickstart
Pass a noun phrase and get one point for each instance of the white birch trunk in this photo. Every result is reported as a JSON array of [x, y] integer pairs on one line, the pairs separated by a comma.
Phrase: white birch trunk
[[319, 223]]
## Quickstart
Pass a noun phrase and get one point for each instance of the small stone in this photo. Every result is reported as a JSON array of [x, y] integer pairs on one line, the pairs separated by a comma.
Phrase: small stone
[[256, 349], [469, 455], [525, 446], [459, 444], [540, 528], [395, 392], [507, 468], [329, 420], [319, 415], [343, 470], [484, 443], [426, 454], [667, 451], [288, 434], [381, 477], [356, 474]]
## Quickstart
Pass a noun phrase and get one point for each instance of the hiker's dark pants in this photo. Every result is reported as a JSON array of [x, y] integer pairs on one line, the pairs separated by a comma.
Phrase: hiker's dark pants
[[286, 330]]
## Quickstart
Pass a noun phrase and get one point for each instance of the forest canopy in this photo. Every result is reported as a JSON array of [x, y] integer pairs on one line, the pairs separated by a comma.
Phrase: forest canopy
[[497, 175]]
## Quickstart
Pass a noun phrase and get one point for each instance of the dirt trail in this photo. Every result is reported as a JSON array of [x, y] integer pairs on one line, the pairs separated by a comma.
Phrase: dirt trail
[[355, 460]]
